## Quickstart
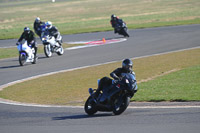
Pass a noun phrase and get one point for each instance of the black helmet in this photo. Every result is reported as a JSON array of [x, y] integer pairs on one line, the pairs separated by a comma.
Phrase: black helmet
[[27, 30], [127, 64], [113, 16]]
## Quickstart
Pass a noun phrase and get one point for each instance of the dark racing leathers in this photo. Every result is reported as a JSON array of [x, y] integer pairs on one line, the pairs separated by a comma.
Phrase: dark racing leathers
[[115, 23], [106, 81], [30, 38]]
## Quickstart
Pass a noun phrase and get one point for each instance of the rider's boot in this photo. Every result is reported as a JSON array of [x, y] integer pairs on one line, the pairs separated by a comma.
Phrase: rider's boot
[[35, 54], [115, 30]]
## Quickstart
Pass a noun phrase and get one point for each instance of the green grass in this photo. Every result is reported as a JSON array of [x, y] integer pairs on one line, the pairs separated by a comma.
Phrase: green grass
[[183, 85], [71, 88], [8, 52], [78, 16]]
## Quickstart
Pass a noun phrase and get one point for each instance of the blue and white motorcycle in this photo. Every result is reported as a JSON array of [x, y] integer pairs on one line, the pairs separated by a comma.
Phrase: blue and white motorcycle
[[26, 53]]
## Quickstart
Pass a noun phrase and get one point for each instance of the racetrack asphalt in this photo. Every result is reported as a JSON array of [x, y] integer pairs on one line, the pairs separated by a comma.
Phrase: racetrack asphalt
[[143, 42]]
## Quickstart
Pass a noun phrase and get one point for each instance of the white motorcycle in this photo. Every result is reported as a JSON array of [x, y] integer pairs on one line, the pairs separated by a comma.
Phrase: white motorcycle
[[26, 54], [51, 45]]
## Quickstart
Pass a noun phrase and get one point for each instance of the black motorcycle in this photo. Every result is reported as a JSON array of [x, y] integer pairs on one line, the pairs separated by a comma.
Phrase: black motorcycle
[[122, 29], [113, 98]]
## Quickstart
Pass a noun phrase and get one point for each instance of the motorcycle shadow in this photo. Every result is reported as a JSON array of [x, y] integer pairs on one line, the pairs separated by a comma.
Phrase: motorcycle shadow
[[83, 116], [6, 67]]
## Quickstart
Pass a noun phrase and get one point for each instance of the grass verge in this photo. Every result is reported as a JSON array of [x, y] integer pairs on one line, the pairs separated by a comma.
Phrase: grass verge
[[165, 77], [182, 85]]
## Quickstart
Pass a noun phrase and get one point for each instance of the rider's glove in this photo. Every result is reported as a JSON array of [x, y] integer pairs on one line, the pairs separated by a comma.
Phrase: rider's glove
[[32, 42], [17, 43], [120, 78]]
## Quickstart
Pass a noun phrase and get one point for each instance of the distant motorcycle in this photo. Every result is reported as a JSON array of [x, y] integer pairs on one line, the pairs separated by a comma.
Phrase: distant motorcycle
[[26, 53], [122, 29], [51, 45], [114, 98]]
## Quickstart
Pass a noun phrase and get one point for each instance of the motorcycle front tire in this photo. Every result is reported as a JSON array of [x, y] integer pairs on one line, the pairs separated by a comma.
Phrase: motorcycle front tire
[[22, 59], [90, 106], [47, 50], [124, 30], [123, 106]]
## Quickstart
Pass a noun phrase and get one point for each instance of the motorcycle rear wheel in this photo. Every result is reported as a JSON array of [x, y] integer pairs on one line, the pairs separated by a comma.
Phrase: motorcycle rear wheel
[[117, 110], [90, 106], [61, 51], [22, 59]]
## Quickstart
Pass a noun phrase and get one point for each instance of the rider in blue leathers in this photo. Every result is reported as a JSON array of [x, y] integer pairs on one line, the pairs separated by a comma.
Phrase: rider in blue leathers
[[38, 25]]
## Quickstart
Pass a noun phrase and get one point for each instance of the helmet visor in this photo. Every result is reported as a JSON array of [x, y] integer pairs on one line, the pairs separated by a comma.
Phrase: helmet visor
[[128, 67]]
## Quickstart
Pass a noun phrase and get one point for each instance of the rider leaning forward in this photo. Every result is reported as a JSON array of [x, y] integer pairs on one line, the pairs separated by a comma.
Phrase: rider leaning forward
[[115, 21], [127, 66], [29, 36], [53, 31]]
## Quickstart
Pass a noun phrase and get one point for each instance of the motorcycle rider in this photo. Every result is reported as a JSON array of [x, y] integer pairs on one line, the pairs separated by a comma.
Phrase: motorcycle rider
[[53, 31], [29, 36], [127, 66], [116, 22], [37, 26]]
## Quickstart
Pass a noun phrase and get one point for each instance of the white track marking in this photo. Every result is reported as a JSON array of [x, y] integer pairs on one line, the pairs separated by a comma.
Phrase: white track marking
[[37, 76], [81, 107], [35, 105], [162, 107]]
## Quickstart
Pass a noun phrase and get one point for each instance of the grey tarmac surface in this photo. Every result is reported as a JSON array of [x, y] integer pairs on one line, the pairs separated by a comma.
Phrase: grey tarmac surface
[[142, 42], [18, 119]]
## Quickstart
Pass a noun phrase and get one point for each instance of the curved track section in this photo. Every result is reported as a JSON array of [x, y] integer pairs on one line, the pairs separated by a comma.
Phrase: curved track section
[[142, 42]]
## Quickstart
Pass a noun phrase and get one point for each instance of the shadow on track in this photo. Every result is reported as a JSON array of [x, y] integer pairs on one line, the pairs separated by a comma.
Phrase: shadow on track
[[83, 116], [26, 64], [6, 67]]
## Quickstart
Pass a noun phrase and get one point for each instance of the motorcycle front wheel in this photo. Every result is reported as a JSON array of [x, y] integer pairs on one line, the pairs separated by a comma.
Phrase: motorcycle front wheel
[[90, 106], [118, 109], [47, 50], [22, 58], [124, 32]]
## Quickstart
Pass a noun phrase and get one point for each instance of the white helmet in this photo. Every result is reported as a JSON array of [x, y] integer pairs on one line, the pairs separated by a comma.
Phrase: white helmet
[[37, 20], [48, 24]]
